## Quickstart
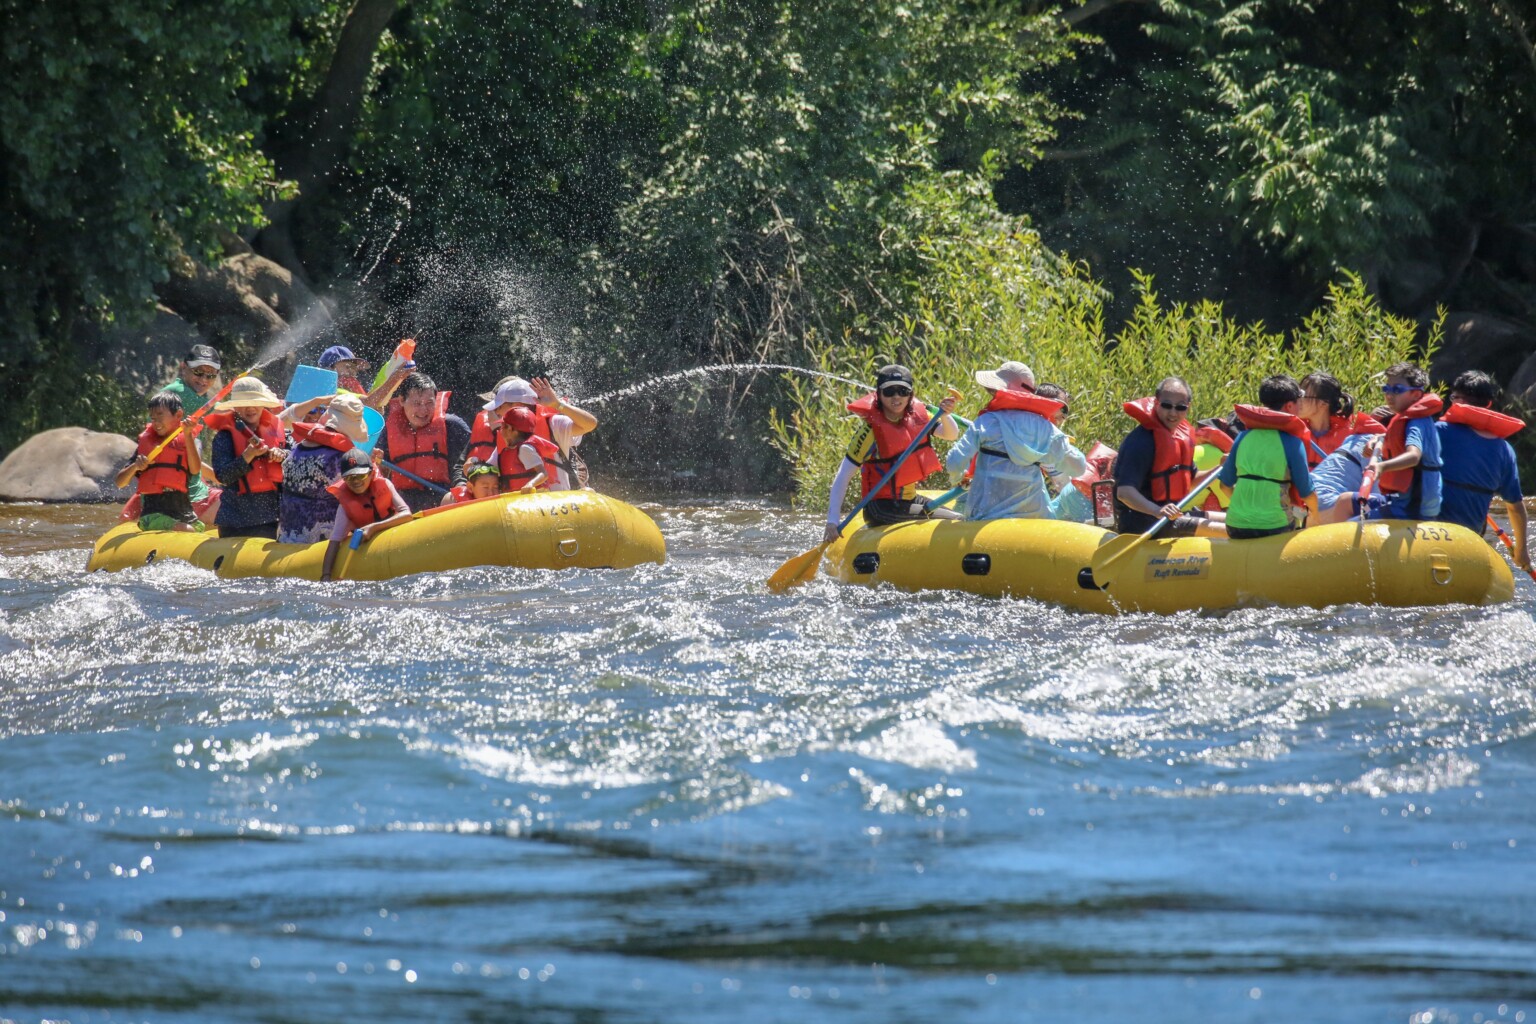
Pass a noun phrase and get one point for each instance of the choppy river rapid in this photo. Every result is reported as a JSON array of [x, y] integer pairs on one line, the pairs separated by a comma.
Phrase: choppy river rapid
[[667, 795]]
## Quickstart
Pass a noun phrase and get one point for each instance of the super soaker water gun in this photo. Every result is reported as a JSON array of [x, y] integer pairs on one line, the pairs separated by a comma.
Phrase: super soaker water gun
[[403, 353]]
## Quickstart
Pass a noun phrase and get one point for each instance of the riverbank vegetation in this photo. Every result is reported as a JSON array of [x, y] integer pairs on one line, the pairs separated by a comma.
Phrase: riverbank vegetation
[[614, 188]]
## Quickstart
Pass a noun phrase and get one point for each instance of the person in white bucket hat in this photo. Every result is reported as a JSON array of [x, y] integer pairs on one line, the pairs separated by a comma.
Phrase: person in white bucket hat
[[1008, 447], [308, 507]]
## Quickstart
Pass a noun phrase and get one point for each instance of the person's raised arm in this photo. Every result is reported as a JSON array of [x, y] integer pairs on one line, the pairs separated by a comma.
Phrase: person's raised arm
[[582, 422], [379, 397], [138, 465]]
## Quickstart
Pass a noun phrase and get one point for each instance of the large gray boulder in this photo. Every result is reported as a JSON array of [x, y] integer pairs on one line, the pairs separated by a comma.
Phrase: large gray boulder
[[67, 464]]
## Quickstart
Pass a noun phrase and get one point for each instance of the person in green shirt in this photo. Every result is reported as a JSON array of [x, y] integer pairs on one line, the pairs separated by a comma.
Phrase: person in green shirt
[[196, 381]]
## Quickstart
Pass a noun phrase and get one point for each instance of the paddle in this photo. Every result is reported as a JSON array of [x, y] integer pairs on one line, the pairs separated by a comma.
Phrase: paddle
[[802, 568], [945, 498], [1508, 543], [429, 485], [1111, 554], [197, 417]]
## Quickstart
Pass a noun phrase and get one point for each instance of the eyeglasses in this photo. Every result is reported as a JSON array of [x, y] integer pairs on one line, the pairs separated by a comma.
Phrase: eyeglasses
[[1172, 407], [1398, 389], [205, 374], [895, 391]]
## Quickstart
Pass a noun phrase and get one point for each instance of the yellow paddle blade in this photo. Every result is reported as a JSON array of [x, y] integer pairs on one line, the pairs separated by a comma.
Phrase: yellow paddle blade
[[798, 570], [1108, 557]]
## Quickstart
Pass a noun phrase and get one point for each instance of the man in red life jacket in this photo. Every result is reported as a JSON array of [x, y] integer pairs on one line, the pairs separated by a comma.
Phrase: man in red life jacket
[[423, 442], [1479, 462], [892, 418], [162, 484], [367, 502], [1156, 465], [558, 421]]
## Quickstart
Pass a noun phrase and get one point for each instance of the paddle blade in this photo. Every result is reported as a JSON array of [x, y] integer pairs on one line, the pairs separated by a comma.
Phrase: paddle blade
[[798, 570], [1108, 560]]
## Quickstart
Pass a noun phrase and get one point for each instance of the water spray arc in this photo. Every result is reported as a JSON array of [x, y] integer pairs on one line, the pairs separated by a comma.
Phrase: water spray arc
[[703, 371]]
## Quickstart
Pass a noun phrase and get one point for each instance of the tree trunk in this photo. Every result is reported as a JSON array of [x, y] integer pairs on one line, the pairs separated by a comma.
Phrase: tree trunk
[[309, 148]]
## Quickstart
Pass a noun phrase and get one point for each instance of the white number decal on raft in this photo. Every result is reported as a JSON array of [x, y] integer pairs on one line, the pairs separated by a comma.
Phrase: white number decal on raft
[[1178, 567]]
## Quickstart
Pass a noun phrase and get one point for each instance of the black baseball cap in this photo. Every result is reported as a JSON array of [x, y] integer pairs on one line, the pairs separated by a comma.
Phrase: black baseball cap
[[894, 373], [203, 355]]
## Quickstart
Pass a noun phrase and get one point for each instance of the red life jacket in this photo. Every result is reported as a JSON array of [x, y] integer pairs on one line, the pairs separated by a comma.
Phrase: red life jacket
[[482, 437], [1486, 420], [1023, 401], [515, 475], [371, 506], [1400, 481], [169, 470], [1339, 427], [422, 452], [1365, 423], [265, 474], [315, 433], [1173, 461], [1215, 437], [459, 492], [891, 439]]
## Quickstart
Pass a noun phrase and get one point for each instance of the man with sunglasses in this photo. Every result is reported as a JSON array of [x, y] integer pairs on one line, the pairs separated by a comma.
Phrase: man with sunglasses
[[196, 381], [1156, 465], [893, 417], [1408, 465]]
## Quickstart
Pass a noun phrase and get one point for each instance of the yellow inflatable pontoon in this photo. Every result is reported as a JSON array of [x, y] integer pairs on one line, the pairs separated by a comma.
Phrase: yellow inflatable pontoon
[[1388, 563], [543, 530]]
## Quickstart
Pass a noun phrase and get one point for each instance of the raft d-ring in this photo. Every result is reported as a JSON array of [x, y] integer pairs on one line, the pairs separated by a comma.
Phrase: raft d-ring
[[1440, 567], [569, 546]]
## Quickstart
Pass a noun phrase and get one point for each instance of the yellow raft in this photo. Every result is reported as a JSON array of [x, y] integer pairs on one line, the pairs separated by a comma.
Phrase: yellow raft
[[1388, 563], [543, 530]]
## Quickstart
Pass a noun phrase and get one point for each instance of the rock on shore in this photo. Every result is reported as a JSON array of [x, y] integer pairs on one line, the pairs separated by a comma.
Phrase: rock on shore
[[67, 464]]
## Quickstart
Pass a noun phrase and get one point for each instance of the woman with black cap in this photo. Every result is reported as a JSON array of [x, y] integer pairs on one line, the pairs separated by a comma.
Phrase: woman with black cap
[[891, 420]]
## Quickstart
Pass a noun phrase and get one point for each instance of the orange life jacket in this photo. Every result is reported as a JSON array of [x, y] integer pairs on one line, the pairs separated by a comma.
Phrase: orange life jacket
[[371, 506], [1401, 481], [1479, 418], [515, 475], [1339, 427], [891, 439], [265, 474], [482, 437], [169, 470], [1215, 437], [315, 433], [1022, 401], [1173, 461], [423, 452], [459, 492]]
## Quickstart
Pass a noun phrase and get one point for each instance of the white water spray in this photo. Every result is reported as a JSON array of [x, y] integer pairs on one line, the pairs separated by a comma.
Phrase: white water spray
[[704, 371]]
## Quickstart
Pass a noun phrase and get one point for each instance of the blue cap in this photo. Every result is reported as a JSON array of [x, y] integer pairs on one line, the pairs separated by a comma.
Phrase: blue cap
[[335, 354]]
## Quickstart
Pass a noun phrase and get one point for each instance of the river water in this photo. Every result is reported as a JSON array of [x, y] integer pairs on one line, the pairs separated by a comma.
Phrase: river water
[[666, 795]]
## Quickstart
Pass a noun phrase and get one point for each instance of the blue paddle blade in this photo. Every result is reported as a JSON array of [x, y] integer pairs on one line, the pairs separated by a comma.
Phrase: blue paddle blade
[[310, 382], [375, 421]]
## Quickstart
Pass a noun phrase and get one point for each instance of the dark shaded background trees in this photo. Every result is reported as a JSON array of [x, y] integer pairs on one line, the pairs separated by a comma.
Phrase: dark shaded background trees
[[616, 187]]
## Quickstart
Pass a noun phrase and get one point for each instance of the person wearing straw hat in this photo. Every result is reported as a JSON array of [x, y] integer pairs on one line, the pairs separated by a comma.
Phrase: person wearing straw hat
[[249, 447], [307, 508], [1009, 445]]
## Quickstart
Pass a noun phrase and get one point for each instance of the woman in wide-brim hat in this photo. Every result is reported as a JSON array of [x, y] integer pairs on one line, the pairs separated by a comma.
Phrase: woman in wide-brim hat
[[248, 453]]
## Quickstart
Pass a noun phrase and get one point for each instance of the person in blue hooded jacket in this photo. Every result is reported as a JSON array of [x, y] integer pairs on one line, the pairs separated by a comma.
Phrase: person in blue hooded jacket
[[1010, 444]]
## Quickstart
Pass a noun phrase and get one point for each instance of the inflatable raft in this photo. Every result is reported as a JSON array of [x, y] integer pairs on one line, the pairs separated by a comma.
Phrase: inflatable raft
[[543, 530], [1387, 563]]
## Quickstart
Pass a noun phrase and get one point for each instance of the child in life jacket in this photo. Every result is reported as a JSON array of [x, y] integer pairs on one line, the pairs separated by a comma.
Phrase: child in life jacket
[[1267, 468], [1479, 462], [527, 462], [1338, 478], [369, 504], [480, 481], [162, 483], [1408, 464]]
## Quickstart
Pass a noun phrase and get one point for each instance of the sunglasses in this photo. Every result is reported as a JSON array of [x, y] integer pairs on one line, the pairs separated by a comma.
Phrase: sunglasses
[[895, 391], [1174, 408], [205, 374], [1398, 389]]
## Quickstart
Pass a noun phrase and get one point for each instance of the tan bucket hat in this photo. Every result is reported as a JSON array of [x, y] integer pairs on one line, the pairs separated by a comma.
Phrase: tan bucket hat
[[249, 391], [345, 414], [1011, 376]]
